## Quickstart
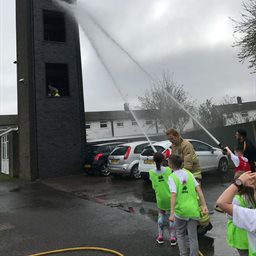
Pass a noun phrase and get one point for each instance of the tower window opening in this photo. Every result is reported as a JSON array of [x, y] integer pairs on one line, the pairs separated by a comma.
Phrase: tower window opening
[[54, 26], [57, 80]]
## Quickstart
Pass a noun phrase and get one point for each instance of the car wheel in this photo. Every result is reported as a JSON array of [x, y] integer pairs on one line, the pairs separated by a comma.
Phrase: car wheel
[[135, 172], [223, 165], [104, 170]]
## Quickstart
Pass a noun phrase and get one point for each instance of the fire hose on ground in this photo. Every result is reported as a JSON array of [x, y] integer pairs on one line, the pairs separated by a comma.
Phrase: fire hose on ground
[[87, 248]]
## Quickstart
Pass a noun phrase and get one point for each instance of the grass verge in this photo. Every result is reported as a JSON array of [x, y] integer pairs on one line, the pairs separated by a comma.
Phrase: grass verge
[[4, 177]]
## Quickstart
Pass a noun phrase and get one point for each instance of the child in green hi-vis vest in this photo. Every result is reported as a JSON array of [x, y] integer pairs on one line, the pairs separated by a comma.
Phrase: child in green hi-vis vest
[[184, 206], [242, 217], [159, 179], [237, 237]]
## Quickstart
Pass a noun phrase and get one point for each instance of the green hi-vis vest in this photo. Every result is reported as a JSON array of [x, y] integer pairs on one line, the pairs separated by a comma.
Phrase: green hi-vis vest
[[161, 187], [237, 237], [186, 197], [251, 253]]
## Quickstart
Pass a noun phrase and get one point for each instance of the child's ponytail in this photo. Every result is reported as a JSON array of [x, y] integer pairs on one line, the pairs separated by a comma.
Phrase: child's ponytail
[[158, 159]]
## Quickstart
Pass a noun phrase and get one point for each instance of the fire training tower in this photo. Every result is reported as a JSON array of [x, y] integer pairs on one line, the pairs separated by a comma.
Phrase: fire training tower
[[50, 92]]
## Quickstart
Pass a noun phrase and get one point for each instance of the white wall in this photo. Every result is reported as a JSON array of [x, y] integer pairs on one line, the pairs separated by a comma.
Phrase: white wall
[[128, 129], [239, 118], [95, 131]]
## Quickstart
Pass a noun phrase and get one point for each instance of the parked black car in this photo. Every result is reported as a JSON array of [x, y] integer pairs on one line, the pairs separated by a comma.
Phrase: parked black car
[[96, 160]]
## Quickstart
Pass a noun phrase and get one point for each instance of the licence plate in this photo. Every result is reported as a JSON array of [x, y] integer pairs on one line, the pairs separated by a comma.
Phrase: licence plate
[[148, 161], [87, 166], [114, 161]]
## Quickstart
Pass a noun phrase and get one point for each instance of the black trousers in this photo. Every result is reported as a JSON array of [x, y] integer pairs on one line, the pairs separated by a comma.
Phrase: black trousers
[[252, 164]]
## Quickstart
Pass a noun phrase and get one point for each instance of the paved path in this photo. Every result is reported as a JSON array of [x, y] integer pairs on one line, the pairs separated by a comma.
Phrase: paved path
[[88, 211]]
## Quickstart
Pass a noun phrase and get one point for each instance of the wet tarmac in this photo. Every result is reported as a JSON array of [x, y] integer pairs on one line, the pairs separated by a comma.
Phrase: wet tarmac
[[136, 197]]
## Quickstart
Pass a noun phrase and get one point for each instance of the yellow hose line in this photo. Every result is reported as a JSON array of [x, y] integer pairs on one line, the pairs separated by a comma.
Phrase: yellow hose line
[[78, 249], [84, 249]]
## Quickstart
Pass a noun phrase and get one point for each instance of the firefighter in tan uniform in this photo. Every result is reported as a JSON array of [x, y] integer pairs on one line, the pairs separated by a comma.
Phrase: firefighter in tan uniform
[[185, 150]]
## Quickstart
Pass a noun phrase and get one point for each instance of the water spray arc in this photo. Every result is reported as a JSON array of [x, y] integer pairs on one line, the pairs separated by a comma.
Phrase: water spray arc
[[149, 75], [119, 45], [93, 44], [190, 115], [120, 92]]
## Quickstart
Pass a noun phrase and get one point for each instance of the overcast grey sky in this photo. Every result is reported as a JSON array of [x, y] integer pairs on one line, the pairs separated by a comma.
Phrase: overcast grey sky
[[190, 39]]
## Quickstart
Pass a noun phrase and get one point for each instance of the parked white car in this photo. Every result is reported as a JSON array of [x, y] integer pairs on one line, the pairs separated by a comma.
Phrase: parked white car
[[124, 159], [210, 158]]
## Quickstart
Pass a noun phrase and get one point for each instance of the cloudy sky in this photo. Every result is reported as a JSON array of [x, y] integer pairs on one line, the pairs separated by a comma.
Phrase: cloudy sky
[[192, 40]]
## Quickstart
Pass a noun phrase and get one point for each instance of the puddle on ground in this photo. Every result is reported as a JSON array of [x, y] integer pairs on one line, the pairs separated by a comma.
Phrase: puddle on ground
[[211, 244]]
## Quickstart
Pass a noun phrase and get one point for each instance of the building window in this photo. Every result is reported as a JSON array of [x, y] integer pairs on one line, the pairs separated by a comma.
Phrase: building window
[[120, 124], [103, 124], [54, 26], [57, 80], [244, 114], [230, 115], [134, 123], [88, 126], [149, 122]]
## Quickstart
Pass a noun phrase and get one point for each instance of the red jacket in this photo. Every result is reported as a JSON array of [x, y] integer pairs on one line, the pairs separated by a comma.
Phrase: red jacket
[[243, 166]]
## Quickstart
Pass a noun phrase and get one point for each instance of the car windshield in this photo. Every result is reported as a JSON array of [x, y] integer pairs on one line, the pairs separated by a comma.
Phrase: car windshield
[[148, 151], [100, 149], [120, 151]]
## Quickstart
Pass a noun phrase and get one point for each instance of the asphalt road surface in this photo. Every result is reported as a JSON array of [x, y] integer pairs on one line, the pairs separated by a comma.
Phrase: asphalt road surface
[[75, 211], [136, 197]]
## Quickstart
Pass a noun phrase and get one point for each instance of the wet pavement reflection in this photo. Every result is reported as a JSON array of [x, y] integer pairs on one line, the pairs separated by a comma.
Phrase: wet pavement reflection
[[137, 197]]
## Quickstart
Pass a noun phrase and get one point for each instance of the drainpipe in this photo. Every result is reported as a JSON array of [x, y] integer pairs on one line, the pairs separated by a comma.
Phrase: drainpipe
[[156, 126], [254, 130], [112, 128]]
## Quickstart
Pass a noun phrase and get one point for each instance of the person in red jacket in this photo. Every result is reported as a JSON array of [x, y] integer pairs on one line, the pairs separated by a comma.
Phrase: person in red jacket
[[247, 146], [241, 163]]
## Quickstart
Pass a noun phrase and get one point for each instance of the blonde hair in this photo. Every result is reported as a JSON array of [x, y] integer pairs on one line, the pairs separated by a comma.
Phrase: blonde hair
[[172, 131]]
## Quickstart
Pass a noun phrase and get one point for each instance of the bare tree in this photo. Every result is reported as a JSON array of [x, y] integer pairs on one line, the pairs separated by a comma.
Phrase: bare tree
[[213, 115], [210, 115], [229, 99], [245, 34], [169, 113]]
